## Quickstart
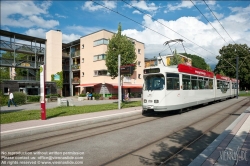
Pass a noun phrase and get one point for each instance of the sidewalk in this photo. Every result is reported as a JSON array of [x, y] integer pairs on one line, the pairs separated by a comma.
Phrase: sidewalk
[[231, 147], [73, 100]]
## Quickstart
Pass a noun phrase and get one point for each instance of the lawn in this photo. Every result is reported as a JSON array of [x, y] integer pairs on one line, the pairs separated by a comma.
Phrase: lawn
[[10, 117]]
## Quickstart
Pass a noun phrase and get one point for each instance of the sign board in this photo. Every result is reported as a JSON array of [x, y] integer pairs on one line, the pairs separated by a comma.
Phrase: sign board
[[127, 69], [57, 77]]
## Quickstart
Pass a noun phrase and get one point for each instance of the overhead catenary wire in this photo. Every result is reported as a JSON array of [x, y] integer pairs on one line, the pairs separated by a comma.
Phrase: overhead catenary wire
[[208, 20], [173, 31], [218, 21], [224, 29], [167, 27]]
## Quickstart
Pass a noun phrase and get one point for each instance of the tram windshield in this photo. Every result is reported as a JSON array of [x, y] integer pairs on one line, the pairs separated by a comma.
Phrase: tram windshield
[[154, 82]]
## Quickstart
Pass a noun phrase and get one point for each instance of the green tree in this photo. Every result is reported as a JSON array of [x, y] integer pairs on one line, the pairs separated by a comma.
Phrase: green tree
[[197, 61], [227, 63], [119, 44], [4, 73], [176, 59], [59, 83]]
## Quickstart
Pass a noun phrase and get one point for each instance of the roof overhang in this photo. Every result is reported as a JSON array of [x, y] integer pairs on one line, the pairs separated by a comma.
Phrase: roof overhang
[[87, 85]]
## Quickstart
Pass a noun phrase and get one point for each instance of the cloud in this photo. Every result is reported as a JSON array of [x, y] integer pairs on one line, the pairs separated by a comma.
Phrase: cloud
[[150, 7], [194, 31], [136, 12], [69, 38], [83, 30], [26, 14], [60, 16], [40, 33], [89, 5], [179, 6]]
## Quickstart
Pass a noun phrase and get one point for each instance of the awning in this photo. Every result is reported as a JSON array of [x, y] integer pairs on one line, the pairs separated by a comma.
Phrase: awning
[[87, 85], [128, 85]]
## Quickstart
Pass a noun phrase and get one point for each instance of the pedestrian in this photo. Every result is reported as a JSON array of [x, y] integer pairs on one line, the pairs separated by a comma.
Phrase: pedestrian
[[90, 96], [11, 99], [87, 95]]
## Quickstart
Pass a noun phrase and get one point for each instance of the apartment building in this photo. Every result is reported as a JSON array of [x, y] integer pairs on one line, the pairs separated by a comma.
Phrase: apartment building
[[20, 59], [89, 72], [82, 62]]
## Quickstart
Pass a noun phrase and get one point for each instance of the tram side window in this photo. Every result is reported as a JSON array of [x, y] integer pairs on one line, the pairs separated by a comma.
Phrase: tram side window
[[206, 83], [194, 83], [201, 83], [173, 82], [186, 82], [218, 84], [210, 84]]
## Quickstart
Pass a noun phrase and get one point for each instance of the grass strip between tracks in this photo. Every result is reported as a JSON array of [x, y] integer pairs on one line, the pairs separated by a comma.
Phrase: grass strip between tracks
[[9, 117]]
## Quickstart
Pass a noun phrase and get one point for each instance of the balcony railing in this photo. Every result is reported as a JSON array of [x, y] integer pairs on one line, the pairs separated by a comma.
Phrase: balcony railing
[[75, 80], [65, 54], [18, 63], [75, 54], [6, 45], [75, 67], [26, 78]]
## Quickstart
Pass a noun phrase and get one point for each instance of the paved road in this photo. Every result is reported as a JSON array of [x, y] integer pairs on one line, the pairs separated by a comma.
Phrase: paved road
[[72, 100]]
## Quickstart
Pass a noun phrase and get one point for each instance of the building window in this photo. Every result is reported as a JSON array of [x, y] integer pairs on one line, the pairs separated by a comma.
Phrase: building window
[[99, 57], [6, 90], [83, 46], [101, 41], [139, 51], [82, 74], [139, 63], [139, 76], [82, 60], [100, 73]]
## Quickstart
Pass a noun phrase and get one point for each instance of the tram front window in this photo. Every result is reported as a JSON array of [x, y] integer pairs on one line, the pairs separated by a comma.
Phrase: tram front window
[[154, 82]]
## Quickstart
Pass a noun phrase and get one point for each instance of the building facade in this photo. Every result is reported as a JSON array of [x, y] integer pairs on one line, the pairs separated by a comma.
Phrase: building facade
[[89, 72], [82, 62]]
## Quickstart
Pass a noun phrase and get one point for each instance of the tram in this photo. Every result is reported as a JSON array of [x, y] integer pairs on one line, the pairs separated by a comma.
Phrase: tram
[[177, 87]]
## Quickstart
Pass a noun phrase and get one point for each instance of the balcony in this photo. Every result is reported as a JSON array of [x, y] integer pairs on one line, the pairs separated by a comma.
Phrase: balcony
[[65, 54], [24, 48], [75, 67], [75, 54], [5, 62], [65, 67], [75, 80]]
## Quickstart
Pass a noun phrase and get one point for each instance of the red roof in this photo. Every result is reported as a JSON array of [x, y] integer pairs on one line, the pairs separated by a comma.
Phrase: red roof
[[220, 77], [192, 70]]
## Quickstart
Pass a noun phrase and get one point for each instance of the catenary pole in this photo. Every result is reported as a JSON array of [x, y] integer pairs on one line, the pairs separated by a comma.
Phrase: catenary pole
[[119, 81], [237, 68]]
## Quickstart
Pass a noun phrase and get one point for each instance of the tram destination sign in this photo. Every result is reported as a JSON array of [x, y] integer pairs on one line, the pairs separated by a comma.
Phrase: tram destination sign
[[154, 70]]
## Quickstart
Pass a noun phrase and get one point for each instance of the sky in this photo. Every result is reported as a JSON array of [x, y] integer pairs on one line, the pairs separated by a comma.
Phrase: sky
[[151, 22]]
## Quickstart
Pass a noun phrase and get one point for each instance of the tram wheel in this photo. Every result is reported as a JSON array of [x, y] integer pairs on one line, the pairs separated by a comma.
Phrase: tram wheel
[[180, 111]]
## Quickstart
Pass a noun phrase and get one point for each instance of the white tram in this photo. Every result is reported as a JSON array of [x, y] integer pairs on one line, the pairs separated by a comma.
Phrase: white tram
[[178, 87]]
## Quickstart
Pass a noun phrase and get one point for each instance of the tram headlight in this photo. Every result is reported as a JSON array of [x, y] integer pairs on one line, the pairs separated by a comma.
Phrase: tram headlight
[[156, 101], [145, 100]]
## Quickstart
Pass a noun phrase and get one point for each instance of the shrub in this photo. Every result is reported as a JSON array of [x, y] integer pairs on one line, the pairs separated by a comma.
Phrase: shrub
[[97, 96], [82, 95], [33, 98], [4, 100], [19, 97], [47, 96]]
